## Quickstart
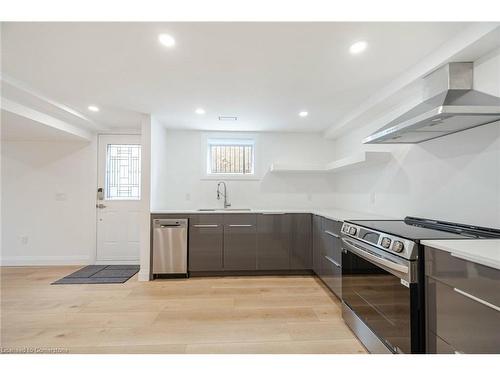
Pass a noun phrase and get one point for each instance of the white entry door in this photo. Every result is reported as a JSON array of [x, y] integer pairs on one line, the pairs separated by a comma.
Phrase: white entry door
[[118, 199]]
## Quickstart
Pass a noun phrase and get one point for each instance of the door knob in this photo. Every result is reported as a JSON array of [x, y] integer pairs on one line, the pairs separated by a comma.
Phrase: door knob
[[100, 205]]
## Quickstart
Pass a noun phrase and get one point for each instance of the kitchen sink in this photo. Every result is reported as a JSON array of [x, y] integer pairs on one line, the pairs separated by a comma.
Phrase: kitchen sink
[[223, 209]]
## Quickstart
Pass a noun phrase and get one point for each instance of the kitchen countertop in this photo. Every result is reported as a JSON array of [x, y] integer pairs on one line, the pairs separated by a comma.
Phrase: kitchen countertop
[[485, 252], [329, 213]]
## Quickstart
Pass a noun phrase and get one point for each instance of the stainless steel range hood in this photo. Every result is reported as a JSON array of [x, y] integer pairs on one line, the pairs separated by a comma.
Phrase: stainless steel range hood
[[450, 105]]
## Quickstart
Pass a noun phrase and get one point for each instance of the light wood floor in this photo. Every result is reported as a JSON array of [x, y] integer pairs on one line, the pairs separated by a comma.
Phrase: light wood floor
[[293, 314]]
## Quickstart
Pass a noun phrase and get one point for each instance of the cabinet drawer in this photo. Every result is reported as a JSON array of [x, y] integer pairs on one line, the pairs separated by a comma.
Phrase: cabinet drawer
[[332, 226], [476, 279], [331, 247], [240, 219], [206, 221], [332, 275], [468, 325]]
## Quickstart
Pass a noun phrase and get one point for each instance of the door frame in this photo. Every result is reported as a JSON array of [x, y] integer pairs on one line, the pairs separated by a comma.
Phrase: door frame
[[117, 134]]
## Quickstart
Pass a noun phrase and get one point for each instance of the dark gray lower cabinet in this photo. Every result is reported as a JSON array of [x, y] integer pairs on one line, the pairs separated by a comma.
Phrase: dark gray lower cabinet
[[331, 246], [462, 305], [240, 242], [249, 242], [436, 345], [206, 236], [330, 255], [316, 243], [467, 325], [300, 242], [284, 242], [332, 275], [273, 241]]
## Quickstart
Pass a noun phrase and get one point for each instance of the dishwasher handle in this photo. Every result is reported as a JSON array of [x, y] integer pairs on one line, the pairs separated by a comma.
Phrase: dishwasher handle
[[170, 223]]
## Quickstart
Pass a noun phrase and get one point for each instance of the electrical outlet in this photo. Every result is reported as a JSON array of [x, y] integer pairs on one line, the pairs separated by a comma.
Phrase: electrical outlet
[[61, 197], [23, 239], [309, 197], [188, 196], [372, 198]]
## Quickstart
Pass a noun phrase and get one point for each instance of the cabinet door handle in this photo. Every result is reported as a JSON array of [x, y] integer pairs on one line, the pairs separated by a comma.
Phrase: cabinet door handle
[[332, 234], [240, 225], [273, 213], [481, 301], [205, 225], [331, 260]]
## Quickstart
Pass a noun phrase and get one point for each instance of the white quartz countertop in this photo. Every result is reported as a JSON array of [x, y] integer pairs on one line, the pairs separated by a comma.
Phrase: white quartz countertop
[[329, 213], [485, 252]]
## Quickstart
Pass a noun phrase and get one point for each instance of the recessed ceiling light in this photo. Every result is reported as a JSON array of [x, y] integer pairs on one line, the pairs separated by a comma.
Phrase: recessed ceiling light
[[358, 47], [166, 40], [199, 111], [93, 108], [303, 114]]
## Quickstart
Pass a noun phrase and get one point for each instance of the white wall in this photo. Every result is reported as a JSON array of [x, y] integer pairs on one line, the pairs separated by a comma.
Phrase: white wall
[[177, 173], [455, 178], [48, 188], [48, 202], [159, 156], [145, 216]]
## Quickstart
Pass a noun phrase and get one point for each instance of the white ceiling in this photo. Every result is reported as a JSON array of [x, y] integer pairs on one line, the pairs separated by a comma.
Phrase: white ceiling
[[264, 73]]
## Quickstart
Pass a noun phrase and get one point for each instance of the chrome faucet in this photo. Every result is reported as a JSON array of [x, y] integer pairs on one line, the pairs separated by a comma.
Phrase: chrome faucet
[[219, 193]]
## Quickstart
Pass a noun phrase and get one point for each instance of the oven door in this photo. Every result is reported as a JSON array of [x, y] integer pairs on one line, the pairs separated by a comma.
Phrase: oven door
[[377, 287]]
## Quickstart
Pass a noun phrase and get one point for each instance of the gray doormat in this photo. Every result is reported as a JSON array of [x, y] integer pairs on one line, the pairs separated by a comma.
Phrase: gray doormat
[[115, 274]]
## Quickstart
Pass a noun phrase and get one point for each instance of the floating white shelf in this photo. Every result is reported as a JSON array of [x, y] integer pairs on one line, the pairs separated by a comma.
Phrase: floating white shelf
[[352, 161], [296, 168]]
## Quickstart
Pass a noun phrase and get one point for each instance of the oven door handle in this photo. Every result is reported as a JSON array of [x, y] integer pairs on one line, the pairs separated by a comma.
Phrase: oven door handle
[[379, 261]]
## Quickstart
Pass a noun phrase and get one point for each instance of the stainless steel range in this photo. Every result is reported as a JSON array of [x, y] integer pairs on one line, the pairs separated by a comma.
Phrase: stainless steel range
[[382, 278]]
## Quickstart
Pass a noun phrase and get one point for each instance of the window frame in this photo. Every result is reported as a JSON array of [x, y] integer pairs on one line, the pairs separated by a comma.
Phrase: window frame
[[208, 139]]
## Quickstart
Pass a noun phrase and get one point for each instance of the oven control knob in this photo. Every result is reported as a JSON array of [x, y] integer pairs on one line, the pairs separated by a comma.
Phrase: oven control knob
[[398, 246], [386, 242], [352, 231]]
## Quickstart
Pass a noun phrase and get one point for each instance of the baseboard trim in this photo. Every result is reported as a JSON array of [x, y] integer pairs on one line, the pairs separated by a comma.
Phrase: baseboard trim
[[44, 261]]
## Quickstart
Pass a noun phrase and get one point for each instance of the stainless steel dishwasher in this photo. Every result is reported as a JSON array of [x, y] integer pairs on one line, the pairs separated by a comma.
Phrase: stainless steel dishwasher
[[170, 247]]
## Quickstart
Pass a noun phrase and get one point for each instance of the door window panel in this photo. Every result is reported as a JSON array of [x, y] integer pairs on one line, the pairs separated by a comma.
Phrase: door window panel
[[123, 172]]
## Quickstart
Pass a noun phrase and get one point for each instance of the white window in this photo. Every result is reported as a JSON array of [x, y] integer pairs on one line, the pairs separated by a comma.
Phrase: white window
[[123, 172], [230, 157]]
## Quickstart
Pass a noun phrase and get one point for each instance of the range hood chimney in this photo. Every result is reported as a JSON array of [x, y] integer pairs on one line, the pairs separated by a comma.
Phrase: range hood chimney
[[450, 105]]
